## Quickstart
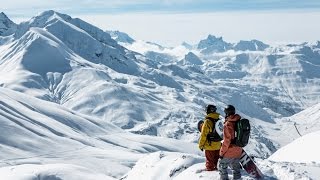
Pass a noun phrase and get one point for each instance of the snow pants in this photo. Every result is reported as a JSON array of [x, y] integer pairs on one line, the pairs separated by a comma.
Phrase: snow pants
[[233, 163], [212, 157]]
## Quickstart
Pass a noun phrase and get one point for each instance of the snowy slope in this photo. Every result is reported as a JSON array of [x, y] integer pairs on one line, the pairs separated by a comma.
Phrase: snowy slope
[[286, 74], [57, 75], [288, 129], [50, 172], [63, 144], [306, 121], [176, 166], [86, 40], [301, 150], [191, 59], [303, 153], [39, 132], [7, 27], [121, 37]]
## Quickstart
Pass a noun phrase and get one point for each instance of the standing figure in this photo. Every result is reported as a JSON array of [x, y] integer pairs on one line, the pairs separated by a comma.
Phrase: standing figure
[[211, 146], [230, 153]]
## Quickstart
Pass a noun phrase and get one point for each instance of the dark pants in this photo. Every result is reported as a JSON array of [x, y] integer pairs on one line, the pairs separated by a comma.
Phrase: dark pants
[[235, 166], [212, 158]]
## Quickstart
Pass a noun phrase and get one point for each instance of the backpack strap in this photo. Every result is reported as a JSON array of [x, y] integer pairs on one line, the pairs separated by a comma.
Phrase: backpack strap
[[233, 141], [213, 130], [214, 123]]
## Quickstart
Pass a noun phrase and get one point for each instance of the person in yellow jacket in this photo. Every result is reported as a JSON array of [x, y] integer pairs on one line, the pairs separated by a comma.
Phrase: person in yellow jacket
[[211, 148]]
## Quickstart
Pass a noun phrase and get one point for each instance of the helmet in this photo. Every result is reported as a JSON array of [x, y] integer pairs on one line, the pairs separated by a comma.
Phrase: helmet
[[229, 110], [211, 108]]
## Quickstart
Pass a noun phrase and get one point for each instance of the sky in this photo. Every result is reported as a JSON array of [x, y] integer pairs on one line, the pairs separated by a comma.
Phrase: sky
[[170, 22]]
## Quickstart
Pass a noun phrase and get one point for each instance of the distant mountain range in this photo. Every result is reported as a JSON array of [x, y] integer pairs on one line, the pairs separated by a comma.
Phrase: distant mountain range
[[147, 88], [211, 44]]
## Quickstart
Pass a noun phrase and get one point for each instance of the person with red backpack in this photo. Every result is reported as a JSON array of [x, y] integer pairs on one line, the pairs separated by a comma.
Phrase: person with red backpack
[[230, 153], [209, 140]]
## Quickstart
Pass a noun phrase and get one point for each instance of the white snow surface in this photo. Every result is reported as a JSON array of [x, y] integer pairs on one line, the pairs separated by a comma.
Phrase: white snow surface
[[163, 165], [50, 172], [301, 133], [37, 132], [301, 150], [77, 104]]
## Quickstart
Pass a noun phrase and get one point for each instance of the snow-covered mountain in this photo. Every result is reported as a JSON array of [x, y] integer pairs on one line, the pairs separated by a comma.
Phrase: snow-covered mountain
[[191, 59], [290, 128], [34, 131], [253, 45], [57, 72], [285, 70], [7, 27], [84, 39], [213, 44], [81, 67], [90, 90], [121, 37], [299, 135], [187, 45]]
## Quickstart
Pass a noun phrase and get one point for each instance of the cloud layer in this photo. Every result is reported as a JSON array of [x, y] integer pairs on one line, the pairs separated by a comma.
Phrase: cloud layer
[[170, 22], [172, 29]]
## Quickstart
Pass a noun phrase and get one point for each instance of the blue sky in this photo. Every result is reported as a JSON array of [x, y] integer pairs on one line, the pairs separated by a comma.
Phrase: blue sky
[[172, 21], [20, 7]]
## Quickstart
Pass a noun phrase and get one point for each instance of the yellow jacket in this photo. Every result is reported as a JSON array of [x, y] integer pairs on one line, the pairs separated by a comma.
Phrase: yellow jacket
[[206, 128]]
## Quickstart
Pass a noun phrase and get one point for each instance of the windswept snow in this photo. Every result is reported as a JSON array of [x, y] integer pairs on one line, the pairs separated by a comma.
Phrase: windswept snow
[[50, 172], [39, 132], [288, 129], [302, 155], [307, 120], [298, 133], [178, 166], [301, 150]]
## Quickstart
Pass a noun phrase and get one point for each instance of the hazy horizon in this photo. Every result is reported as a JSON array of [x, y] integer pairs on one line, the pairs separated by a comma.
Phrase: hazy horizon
[[170, 23]]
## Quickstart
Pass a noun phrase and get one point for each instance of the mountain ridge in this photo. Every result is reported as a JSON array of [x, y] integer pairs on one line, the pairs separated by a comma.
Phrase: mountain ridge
[[99, 77]]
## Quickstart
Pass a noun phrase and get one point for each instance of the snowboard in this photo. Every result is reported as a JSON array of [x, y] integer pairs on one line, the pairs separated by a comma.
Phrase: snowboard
[[250, 166], [246, 161]]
